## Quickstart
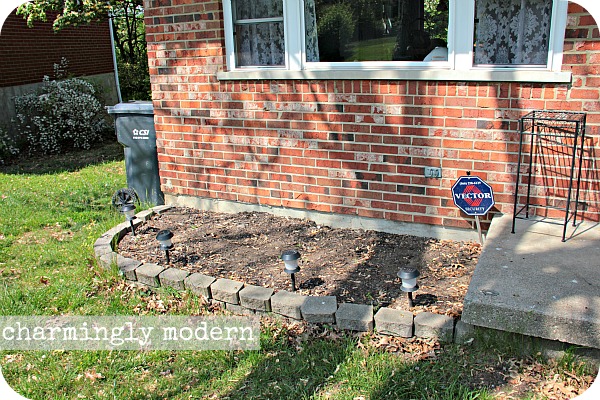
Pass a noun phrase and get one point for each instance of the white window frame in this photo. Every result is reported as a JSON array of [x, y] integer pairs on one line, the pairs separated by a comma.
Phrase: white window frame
[[292, 42], [459, 66]]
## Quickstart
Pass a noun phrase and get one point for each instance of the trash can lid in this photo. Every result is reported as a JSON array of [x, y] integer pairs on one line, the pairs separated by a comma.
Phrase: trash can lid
[[132, 107]]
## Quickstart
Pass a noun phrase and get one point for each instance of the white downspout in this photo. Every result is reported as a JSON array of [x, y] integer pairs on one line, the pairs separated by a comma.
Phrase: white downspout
[[114, 55]]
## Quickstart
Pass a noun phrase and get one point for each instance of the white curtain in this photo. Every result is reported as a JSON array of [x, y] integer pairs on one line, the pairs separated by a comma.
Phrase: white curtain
[[310, 23], [259, 43], [512, 32]]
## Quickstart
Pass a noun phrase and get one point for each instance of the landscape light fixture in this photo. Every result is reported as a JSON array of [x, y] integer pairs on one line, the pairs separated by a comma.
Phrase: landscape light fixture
[[409, 275], [129, 211], [290, 259], [164, 238]]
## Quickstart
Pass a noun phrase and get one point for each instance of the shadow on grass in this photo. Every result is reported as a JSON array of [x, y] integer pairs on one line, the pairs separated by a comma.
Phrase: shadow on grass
[[280, 370], [338, 369], [438, 379], [68, 162], [294, 374]]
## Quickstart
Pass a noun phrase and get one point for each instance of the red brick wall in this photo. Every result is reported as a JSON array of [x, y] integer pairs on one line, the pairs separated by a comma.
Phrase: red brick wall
[[28, 54], [348, 147]]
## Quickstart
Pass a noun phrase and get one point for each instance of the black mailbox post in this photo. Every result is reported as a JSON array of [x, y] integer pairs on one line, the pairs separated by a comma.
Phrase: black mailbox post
[[134, 123]]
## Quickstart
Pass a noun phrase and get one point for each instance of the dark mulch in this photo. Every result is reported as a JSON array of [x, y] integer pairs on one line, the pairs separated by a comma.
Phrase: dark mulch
[[357, 266]]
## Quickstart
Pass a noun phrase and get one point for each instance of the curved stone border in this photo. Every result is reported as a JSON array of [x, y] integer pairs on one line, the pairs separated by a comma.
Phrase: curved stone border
[[240, 298]]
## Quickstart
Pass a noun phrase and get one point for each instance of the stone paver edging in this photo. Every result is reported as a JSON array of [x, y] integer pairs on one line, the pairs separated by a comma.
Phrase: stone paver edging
[[248, 299]]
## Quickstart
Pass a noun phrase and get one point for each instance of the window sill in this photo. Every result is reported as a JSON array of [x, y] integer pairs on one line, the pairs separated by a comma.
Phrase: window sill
[[477, 75]]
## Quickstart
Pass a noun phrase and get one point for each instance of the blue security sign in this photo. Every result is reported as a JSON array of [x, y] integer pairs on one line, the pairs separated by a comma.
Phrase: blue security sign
[[472, 195]]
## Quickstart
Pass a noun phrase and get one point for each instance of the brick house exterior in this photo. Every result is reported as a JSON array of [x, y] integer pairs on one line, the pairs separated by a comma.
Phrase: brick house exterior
[[28, 54], [348, 147]]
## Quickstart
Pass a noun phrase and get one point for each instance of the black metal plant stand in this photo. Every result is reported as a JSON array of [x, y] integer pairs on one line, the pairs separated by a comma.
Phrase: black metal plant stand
[[551, 145]]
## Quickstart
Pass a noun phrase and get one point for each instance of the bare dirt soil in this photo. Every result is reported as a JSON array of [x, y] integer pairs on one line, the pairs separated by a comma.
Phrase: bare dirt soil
[[357, 266]]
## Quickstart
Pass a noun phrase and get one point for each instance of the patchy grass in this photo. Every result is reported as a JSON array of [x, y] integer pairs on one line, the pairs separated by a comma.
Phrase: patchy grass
[[49, 218], [72, 161]]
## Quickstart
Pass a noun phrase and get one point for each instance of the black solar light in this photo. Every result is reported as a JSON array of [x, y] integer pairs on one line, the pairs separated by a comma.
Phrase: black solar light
[[164, 238], [128, 211], [409, 275], [290, 259]]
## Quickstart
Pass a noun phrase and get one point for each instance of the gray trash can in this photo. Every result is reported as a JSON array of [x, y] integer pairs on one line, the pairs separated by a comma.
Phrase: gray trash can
[[134, 123]]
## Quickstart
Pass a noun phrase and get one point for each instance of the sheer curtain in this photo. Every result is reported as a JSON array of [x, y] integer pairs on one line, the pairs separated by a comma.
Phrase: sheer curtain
[[259, 43], [512, 32], [310, 23]]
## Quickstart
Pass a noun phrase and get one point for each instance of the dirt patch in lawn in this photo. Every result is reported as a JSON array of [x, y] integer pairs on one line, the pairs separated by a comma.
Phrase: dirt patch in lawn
[[357, 266]]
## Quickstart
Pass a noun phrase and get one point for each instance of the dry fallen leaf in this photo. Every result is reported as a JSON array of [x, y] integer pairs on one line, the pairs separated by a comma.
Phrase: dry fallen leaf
[[93, 375], [356, 266]]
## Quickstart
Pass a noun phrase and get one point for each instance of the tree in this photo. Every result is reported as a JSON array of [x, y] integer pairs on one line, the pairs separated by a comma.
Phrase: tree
[[422, 25], [335, 28], [68, 12], [128, 32]]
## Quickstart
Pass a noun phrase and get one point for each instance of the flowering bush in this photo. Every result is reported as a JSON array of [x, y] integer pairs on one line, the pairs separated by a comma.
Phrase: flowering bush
[[8, 147], [61, 114]]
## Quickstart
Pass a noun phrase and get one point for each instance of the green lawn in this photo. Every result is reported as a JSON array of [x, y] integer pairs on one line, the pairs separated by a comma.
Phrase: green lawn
[[52, 211], [381, 49]]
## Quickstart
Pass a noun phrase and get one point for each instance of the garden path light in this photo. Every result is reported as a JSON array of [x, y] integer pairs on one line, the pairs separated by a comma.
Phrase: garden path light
[[129, 211], [409, 276], [290, 259], [164, 238]]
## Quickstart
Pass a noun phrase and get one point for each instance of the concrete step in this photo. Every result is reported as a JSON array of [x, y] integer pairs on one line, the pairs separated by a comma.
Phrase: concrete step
[[532, 283]]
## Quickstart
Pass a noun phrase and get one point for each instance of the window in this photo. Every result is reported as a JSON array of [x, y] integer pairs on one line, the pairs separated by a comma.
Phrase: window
[[408, 39], [512, 32], [259, 33], [375, 30]]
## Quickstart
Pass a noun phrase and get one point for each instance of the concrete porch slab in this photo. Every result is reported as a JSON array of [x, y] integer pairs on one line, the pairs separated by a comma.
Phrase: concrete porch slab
[[532, 283]]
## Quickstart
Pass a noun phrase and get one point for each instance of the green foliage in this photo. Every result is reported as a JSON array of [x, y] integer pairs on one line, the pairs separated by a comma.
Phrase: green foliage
[[132, 57], [71, 12], [369, 18], [128, 31], [570, 364], [8, 146], [436, 19], [420, 30], [335, 27], [135, 81], [60, 115]]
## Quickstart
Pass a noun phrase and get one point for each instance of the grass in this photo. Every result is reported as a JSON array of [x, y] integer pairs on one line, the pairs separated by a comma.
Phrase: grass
[[374, 49], [51, 212]]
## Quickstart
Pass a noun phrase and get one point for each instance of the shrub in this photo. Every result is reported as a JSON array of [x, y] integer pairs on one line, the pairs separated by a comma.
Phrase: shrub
[[135, 81], [62, 114], [8, 146], [335, 28]]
